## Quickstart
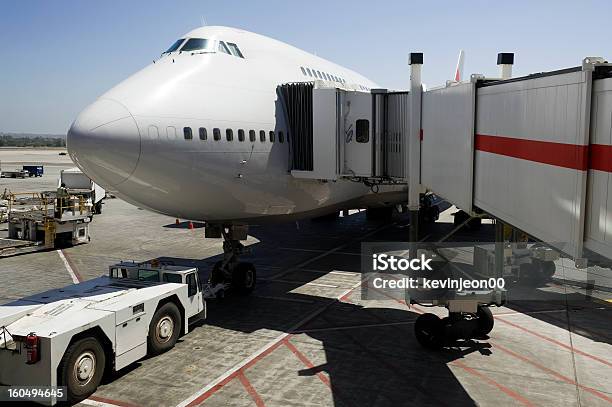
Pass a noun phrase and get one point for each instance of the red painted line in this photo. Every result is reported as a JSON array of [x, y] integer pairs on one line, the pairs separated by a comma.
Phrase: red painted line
[[307, 362], [201, 398], [573, 326], [556, 342], [492, 382], [600, 157], [570, 156], [73, 267], [552, 372], [251, 390], [111, 401]]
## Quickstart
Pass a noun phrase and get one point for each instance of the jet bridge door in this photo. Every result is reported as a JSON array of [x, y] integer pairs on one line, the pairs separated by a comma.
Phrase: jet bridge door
[[356, 138]]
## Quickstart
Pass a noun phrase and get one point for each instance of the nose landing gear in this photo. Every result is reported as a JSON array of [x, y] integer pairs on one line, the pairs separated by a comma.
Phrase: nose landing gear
[[230, 273]]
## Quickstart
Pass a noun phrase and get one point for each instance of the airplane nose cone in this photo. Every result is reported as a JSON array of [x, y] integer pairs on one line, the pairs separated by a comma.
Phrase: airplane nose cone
[[104, 142]]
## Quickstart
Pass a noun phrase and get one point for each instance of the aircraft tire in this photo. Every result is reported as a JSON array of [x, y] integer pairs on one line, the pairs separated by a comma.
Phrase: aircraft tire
[[244, 278]]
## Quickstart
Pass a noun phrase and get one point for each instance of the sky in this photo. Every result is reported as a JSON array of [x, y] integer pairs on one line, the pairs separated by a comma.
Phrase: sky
[[59, 56]]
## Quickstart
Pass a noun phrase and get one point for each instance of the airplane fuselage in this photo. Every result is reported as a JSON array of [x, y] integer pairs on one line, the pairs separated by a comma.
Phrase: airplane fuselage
[[190, 135]]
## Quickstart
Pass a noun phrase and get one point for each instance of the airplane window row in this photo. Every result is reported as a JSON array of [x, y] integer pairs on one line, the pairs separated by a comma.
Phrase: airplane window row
[[325, 76], [321, 75], [229, 135], [202, 44]]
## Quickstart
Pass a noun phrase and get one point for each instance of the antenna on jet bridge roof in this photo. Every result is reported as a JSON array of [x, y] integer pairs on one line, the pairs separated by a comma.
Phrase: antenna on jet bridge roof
[[203, 21]]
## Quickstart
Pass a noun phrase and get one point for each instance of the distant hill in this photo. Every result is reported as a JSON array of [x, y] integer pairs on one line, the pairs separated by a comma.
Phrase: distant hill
[[31, 140], [32, 135]]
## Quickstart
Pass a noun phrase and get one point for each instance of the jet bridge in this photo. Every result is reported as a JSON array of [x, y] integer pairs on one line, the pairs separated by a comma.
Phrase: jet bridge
[[340, 133], [534, 152]]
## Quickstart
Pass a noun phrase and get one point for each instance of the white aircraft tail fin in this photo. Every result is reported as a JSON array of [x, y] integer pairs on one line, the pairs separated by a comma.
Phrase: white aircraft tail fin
[[459, 70]]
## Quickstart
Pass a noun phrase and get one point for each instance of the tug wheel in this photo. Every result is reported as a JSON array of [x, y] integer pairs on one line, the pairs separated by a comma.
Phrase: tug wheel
[[164, 329], [81, 368]]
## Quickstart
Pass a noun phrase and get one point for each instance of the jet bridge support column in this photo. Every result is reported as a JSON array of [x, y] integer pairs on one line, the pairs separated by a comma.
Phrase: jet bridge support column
[[414, 148]]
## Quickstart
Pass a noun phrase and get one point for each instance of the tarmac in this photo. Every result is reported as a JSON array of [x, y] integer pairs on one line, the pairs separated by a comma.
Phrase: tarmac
[[305, 336]]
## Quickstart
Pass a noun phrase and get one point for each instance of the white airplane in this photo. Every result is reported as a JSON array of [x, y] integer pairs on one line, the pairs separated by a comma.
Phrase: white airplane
[[199, 134]]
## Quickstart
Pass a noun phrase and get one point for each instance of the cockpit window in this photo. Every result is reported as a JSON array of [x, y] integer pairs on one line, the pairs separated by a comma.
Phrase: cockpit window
[[235, 50], [195, 44], [223, 48], [175, 46]]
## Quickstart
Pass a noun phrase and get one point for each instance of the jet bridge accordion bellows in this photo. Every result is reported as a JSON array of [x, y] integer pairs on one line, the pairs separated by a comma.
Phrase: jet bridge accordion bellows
[[297, 103]]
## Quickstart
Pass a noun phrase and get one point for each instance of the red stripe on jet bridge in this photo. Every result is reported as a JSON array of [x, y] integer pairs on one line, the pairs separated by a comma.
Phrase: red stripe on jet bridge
[[600, 157], [571, 156]]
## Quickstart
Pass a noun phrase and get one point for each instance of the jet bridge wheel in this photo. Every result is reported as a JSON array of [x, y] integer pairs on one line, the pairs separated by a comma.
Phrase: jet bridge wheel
[[81, 368], [485, 321], [429, 331], [164, 329]]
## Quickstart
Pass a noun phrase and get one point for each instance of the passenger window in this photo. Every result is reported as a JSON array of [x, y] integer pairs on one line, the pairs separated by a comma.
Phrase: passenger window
[[309, 73], [195, 44], [187, 133], [229, 134], [319, 75], [252, 135], [153, 132], [203, 134], [234, 49], [271, 137], [362, 130], [171, 132], [216, 134], [262, 136], [223, 48], [303, 70], [192, 285], [281, 137], [240, 135]]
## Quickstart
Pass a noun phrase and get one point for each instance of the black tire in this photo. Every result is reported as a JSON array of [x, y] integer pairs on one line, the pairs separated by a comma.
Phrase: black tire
[[428, 330], [81, 368], [164, 329], [529, 274], [547, 268], [485, 321], [216, 274], [244, 278]]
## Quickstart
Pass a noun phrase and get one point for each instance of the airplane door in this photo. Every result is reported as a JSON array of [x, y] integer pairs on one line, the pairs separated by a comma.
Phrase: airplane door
[[357, 135]]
